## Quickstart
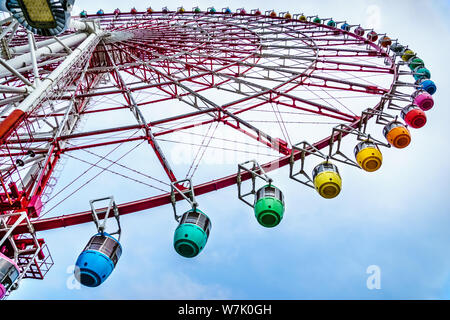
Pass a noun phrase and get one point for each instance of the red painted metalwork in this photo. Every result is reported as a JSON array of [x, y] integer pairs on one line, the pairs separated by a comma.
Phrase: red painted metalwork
[[200, 62]]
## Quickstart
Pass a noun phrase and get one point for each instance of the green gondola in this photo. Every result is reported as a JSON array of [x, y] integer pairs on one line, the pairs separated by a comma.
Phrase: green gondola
[[269, 206]]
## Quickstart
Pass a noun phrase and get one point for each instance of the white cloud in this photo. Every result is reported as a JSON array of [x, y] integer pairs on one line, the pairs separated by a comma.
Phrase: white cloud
[[377, 217], [373, 18]]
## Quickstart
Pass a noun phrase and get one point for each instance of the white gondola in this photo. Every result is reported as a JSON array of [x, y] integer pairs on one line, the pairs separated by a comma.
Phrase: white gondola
[[9, 272]]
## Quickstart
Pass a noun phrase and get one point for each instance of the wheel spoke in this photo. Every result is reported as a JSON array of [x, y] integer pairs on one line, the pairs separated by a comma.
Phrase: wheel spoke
[[250, 85]]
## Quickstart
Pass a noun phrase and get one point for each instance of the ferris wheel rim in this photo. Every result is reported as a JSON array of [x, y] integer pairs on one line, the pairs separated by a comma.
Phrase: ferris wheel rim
[[206, 187]]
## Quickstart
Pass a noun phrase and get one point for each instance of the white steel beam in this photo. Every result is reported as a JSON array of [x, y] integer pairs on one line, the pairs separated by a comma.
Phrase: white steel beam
[[26, 59], [50, 46]]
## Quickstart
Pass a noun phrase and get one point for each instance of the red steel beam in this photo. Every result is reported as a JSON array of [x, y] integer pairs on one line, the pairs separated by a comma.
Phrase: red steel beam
[[144, 204]]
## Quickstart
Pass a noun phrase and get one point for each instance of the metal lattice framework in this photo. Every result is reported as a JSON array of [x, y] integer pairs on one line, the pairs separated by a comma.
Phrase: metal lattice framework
[[142, 83]]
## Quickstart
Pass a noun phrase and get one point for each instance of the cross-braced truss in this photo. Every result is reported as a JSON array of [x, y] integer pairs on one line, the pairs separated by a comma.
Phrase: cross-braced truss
[[151, 99]]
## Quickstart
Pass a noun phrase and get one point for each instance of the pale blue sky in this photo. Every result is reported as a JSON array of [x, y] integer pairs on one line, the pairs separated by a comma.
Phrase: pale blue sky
[[397, 218]]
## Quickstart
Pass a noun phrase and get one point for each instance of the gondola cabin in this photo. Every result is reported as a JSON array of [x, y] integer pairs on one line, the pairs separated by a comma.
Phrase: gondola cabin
[[100, 12], [345, 27], [428, 86], [423, 100], [83, 14], [416, 63], [269, 206], [372, 36], [359, 31], [327, 180], [9, 272], [421, 73], [98, 260], [397, 48], [368, 156], [385, 41], [397, 134], [413, 116], [192, 233], [408, 54]]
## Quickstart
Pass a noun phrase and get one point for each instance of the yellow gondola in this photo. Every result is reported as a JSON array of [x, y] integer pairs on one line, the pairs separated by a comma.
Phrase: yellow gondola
[[408, 54], [368, 156], [327, 180]]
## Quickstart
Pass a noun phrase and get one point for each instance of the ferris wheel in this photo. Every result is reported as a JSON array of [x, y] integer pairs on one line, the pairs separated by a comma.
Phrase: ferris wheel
[[182, 103]]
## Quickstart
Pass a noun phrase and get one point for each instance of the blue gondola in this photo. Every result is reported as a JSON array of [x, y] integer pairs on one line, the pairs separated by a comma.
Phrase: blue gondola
[[98, 260]]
